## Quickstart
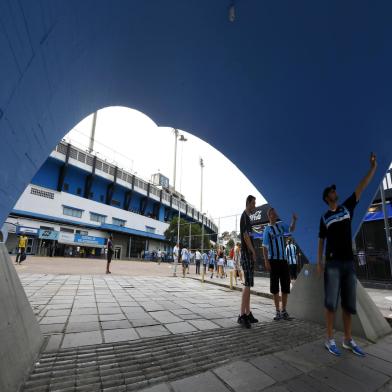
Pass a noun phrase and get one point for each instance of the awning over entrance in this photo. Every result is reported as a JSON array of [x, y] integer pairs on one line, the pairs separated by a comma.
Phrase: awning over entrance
[[378, 215]]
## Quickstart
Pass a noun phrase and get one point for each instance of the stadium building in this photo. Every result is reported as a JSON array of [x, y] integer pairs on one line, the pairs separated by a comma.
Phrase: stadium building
[[76, 200]]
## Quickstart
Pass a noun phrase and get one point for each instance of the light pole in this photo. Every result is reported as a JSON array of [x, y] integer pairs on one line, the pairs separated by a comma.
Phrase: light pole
[[181, 139], [201, 203], [175, 130]]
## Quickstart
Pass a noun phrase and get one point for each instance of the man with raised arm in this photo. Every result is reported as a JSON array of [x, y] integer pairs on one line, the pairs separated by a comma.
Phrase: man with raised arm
[[339, 274]]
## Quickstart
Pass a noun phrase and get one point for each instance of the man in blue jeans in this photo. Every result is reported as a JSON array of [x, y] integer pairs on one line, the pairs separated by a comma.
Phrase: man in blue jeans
[[339, 273]]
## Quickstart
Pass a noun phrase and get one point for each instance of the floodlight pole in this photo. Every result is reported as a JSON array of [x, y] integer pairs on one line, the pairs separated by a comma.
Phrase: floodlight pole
[[182, 139], [92, 135]]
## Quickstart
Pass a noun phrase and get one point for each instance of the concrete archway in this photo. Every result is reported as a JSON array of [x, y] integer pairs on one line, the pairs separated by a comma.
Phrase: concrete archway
[[295, 94]]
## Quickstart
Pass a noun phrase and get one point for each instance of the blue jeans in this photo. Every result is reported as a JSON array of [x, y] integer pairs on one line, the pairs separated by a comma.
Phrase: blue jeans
[[340, 279]]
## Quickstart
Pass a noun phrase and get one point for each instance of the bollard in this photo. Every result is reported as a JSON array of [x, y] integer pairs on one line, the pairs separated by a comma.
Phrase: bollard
[[202, 275], [231, 280]]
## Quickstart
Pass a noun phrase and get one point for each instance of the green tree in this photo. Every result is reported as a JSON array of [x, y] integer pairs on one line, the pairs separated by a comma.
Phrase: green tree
[[230, 244], [196, 234]]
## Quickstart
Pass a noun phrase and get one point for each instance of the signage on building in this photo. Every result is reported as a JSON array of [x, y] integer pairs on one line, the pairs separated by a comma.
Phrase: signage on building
[[89, 240], [26, 230], [66, 238], [48, 234]]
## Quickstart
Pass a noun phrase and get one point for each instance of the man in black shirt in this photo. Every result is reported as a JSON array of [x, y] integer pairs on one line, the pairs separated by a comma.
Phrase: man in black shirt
[[248, 260], [339, 274]]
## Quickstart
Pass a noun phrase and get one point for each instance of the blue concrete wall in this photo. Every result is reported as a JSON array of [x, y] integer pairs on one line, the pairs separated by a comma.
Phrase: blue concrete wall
[[47, 176], [296, 94]]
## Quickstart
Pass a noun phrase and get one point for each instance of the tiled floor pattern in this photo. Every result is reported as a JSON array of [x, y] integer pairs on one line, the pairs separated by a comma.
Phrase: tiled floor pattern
[[85, 310]]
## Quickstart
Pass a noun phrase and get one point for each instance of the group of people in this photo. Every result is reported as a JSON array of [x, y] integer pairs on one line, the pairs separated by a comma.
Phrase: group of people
[[335, 243]]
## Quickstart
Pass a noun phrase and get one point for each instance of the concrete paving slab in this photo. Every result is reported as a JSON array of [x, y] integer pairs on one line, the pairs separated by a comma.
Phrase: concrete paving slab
[[383, 352], [145, 322], [53, 343], [83, 318], [158, 388], [54, 320], [306, 383], [308, 356], [117, 324], [84, 311], [58, 312], [244, 377], [82, 327], [152, 331], [375, 363], [225, 322], [109, 310], [358, 369], [275, 367], [204, 382], [51, 328], [165, 316], [338, 380], [119, 335], [112, 317], [81, 339], [204, 325], [182, 327], [276, 388]]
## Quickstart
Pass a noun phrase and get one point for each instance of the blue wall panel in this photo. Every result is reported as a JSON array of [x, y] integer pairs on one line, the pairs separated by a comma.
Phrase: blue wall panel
[[47, 176]]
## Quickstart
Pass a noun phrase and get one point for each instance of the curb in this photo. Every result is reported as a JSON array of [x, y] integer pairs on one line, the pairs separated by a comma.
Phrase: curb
[[237, 288], [254, 292]]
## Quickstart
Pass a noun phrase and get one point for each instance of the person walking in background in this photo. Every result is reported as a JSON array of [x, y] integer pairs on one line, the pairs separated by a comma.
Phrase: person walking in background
[[248, 261], [159, 256], [291, 256], [211, 262], [221, 263], [275, 260], [21, 255], [176, 255], [339, 274], [185, 258], [237, 263], [204, 258], [109, 253], [197, 261]]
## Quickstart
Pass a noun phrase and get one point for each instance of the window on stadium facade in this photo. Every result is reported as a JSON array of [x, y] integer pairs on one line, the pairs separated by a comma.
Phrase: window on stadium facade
[[70, 211], [150, 229], [118, 222], [97, 217]]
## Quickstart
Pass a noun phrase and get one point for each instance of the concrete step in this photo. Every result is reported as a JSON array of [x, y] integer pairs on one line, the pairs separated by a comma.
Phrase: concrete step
[[136, 364]]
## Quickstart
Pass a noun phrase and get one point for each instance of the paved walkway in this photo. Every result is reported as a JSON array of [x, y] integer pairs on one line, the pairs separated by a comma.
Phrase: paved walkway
[[76, 310], [126, 333]]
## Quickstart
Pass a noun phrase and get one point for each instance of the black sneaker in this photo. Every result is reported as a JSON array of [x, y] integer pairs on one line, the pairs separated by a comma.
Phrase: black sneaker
[[278, 316], [252, 318], [285, 315], [244, 321]]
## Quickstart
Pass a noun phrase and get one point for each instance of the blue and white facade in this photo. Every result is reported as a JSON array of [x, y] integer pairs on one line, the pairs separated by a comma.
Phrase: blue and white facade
[[76, 200]]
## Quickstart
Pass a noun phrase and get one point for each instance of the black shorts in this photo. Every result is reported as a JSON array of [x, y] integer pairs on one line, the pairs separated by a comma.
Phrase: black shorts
[[279, 273], [293, 271], [248, 266]]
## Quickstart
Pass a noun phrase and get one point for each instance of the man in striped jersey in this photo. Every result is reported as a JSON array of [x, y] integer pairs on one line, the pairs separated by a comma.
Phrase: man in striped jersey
[[275, 260], [291, 255]]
